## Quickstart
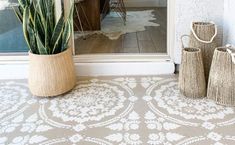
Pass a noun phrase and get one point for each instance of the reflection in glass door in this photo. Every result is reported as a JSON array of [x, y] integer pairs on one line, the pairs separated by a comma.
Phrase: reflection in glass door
[[11, 35], [113, 27]]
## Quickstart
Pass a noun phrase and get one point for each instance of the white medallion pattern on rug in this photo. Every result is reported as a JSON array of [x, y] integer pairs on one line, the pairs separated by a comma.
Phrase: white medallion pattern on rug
[[113, 111], [12, 96], [167, 96], [88, 102]]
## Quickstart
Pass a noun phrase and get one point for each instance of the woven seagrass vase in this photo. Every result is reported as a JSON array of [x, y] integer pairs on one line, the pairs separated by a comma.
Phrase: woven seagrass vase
[[191, 77], [51, 75], [192, 82], [204, 36], [221, 85]]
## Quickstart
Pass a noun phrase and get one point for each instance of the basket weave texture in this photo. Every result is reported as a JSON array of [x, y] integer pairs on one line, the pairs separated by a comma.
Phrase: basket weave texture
[[201, 33], [51, 75], [191, 77], [221, 85]]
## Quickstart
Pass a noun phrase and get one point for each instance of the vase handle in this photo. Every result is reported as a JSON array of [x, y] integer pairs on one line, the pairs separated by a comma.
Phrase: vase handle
[[182, 40], [203, 41]]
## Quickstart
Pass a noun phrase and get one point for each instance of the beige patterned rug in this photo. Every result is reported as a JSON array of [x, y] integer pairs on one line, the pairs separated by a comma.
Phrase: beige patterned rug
[[113, 111]]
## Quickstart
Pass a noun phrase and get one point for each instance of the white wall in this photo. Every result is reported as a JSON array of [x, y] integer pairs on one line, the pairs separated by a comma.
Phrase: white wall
[[187, 11], [229, 22], [146, 3]]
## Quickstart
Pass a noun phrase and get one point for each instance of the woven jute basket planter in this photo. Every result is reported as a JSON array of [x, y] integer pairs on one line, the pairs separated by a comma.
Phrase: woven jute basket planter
[[192, 82], [221, 85], [51, 75], [204, 36]]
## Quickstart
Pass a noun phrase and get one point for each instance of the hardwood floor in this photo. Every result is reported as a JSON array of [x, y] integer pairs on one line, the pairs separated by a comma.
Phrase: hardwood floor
[[152, 40]]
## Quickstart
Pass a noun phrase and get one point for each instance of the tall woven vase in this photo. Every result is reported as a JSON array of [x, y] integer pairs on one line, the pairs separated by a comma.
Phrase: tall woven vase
[[192, 82], [221, 85], [51, 75], [203, 35]]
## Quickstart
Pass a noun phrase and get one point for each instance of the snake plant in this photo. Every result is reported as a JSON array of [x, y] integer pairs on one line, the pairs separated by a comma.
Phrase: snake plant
[[44, 34]]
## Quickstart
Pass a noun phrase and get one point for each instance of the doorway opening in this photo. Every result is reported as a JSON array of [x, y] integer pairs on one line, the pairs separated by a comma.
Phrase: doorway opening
[[118, 27]]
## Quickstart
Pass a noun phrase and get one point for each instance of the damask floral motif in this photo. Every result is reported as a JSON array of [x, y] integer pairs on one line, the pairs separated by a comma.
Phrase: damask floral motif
[[76, 138], [24, 125], [88, 102], [130, 123], [148, 81], [158, 123], [208, 125], [23, 140], [126, 139], [12, 96], [214, 136], [164, 128], [131, 82], [168, 97]]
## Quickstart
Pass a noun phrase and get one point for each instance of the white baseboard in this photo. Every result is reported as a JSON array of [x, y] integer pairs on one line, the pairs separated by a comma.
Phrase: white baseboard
[[118, 69], [20, 71]]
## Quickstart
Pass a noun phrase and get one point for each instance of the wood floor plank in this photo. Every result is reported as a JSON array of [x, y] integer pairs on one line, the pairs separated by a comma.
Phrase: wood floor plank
[[100, 46], [143, 35], [147, 46], [159, 40], [130, 43], [116, 45], [83, 46]]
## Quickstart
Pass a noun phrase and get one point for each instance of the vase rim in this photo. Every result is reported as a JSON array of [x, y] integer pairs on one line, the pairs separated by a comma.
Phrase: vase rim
[[203, 23], [192, 50], [222, 49]]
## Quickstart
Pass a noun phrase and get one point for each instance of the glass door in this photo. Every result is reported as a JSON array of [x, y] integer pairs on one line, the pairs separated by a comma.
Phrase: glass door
[[11, 34], [116, 27]]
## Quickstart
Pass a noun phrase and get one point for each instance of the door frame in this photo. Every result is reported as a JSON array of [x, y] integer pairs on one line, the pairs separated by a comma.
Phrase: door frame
[[15, 66], [114, 57]]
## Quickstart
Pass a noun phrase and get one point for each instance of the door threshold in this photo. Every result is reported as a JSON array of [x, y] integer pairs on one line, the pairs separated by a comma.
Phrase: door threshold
[[20, 70]]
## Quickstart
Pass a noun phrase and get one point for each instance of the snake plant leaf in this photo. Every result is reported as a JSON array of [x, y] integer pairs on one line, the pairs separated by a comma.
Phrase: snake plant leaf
[[18, 14], [43, 34], [50, 13], [57, 33], [48, 36], [41, 12], [23, 3], [43, 7], [25, 25], [41, 48], [66, 35], [70, 17], [32, 12], [33, 42], [21, 10]]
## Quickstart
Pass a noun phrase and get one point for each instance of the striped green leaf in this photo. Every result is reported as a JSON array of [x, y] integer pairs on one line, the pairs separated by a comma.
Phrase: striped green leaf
[[41, 48], [57, 33], [66, 35], [18, 14], [42, 33], [25, 25]]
